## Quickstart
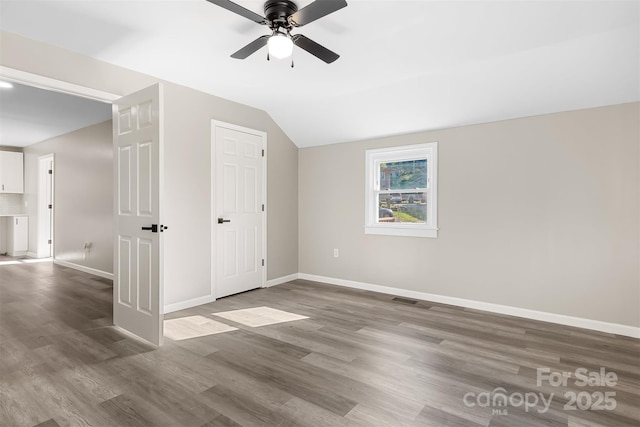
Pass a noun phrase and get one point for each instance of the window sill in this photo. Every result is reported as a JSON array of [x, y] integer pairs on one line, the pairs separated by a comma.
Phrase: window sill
[[407, 231]]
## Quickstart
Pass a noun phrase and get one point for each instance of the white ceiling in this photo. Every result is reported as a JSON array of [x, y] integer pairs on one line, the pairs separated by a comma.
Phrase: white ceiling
[[29, 115], [405, 66]]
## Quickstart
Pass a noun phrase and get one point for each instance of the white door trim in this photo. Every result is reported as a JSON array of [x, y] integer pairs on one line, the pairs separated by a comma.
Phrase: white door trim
[[263, 135], [42, 82]]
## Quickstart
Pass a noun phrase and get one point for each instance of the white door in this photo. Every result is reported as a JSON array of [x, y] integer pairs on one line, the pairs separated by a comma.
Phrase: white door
[[49, 216], [137, 133], [45, 206], [239, 216]]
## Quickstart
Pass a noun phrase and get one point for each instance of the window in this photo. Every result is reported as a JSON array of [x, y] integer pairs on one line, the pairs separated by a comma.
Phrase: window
[[401, 192]]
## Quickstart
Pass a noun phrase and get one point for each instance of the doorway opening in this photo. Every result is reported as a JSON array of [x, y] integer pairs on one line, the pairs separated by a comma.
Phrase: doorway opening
[[142, 117]]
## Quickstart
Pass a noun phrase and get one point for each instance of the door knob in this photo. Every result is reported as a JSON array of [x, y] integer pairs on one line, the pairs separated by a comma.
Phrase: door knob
[[220, 220]]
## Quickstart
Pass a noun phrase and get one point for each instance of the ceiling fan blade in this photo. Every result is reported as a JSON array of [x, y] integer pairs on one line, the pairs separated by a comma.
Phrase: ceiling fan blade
[[251, 47], [236, 8], [314, 48], [315, 10]]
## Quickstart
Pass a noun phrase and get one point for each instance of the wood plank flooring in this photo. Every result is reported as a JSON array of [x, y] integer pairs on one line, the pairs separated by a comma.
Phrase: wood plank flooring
[[360, 359]]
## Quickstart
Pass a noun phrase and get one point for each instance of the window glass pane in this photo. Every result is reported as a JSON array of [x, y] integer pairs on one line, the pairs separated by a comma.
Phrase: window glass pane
[[405, 175], [402, 207]]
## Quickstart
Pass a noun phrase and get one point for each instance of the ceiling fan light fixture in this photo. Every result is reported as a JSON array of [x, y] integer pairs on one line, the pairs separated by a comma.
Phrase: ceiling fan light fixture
[[280, 46]]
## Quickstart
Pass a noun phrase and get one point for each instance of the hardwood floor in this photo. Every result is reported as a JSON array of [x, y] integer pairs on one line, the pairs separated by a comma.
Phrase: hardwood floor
[[359, 359]]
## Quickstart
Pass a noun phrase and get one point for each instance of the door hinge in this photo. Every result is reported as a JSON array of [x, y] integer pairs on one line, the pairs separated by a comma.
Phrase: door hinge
[[50, 172], [263, 262], [49, 241], [262, 153], [263, 207], [50, 206]]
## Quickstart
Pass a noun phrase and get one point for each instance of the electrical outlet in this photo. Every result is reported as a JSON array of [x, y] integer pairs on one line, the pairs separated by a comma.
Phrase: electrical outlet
[[336, 253]]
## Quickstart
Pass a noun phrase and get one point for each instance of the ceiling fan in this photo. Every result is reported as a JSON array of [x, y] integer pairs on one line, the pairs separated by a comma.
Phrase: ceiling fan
[[281, 16]]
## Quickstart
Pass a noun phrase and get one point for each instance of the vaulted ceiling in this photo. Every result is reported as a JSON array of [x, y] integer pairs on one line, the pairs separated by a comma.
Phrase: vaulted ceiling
[[405, 66]]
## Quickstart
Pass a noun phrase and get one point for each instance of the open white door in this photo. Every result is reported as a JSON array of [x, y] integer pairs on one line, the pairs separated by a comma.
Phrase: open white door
[[137, 281], [239, 216]]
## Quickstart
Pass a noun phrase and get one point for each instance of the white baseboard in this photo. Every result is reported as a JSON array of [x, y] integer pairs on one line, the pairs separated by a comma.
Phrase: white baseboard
[[84, 269], [596, 325], [170, 308], [281, 280], [32, 255]]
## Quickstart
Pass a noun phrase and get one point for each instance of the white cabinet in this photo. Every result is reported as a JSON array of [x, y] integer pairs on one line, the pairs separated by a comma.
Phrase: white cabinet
[[11, 172], [17, 235]]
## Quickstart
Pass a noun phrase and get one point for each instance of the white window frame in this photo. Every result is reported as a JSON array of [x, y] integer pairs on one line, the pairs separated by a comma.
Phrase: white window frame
[[372, 188]]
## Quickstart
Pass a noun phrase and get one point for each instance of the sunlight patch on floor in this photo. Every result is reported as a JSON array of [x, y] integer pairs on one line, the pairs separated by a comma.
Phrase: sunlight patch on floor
[[25, 261], [36, 260], [259, 316], [193, 326]]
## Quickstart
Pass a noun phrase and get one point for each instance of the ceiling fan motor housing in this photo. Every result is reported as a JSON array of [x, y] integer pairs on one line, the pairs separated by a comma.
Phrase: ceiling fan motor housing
[[278, 11]]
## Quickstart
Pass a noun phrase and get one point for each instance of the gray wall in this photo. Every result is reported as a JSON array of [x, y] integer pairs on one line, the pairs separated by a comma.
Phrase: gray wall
[[83, 195], [187, 189], [188, 114], [539, 213]]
